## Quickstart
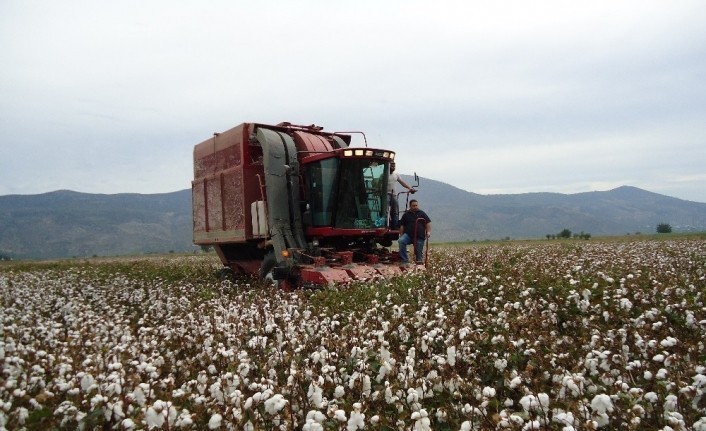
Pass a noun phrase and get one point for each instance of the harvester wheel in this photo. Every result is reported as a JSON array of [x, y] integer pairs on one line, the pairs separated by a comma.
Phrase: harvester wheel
[[268, 264], [226, 273]]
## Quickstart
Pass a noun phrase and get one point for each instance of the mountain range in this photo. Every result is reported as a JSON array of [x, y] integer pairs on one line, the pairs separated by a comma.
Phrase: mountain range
[[63, 224]]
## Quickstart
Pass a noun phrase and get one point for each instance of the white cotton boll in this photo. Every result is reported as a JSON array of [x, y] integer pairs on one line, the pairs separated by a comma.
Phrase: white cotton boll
[[647, 375], [215, 421], [385, 368], [441, 415], [529, 403], [184, 420], [339, 392], [668, 342], [389, 398], [275, 404], [216, 392], [352, 379], [356, 421], [543, 399], [422, 421], [625, 304], [367, 385], [127, 424], [22, 415], [489, 392], [658, 358], [315, 395], [115, 410], [670, 403], [602, 403], [87, 382], [139, 396], [564, 418], [662, 374], [412, 396], [500, 364], [97, 400], [113, 388], [202, 378], [451, 355], [532, 425], [315, 416], [699, 381], [651, 397], [340, 415], [153, 419], [312, 425], [700, 425], [690, 319], [515, 382]]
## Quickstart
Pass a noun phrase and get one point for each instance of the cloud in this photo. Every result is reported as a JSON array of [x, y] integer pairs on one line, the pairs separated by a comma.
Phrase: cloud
[[111, 97]]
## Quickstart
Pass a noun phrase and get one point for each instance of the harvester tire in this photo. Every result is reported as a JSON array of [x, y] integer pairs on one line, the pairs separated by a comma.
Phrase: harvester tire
[[226, 273], [268, 264]]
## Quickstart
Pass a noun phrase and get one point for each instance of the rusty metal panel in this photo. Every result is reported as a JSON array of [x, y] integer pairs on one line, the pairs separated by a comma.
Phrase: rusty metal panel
[[234, 206], [222, 151], [198, 203], [311, 143], [219, 189], [214, 216]]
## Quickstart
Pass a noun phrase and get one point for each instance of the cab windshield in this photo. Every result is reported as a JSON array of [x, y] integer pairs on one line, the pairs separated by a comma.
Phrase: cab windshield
[[348, 193]]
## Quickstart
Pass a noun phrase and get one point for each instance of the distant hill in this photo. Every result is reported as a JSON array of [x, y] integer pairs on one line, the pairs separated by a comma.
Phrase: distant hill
[[69, 224], [467, 216]]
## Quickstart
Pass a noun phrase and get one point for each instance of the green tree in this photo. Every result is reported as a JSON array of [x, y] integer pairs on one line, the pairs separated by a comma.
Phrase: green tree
[[566, 233], [664, 228]]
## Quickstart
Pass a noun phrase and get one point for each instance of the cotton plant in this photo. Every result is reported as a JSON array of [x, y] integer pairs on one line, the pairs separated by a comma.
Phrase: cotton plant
[[600, 335]]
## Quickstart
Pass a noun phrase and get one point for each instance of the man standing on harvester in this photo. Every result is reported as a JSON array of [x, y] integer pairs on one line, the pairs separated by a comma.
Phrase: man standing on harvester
[[393, 179], [415, 226]]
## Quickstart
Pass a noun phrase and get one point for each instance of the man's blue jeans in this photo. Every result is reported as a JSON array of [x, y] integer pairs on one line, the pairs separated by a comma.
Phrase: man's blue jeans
[[406, 240]]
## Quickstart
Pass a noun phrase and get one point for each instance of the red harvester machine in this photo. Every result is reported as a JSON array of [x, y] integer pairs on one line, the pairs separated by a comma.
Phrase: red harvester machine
[[294, 204]]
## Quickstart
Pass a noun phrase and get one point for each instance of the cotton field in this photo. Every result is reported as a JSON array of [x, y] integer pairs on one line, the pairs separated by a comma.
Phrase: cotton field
[[572, 335]]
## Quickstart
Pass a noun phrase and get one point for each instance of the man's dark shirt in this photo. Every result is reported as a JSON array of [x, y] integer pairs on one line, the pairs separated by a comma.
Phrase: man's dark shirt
[[408, 219]]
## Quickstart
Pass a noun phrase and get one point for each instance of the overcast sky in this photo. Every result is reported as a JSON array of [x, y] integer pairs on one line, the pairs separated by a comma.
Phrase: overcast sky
[[493, 97]]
